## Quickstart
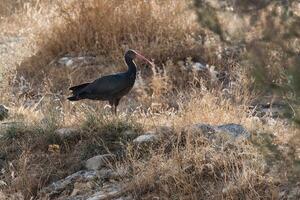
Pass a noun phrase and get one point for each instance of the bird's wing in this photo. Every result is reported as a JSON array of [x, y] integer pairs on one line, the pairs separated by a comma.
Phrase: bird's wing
[[77, 87], [108, 85]]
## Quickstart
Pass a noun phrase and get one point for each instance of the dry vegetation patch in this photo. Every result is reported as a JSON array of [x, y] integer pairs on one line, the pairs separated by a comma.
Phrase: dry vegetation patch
[[199, 168], [180, 166], [107, 28], [183, 165]]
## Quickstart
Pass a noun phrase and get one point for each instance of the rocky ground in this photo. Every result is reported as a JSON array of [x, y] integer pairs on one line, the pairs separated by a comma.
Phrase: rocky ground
[[212, 139], [108, 175], [99, 180]]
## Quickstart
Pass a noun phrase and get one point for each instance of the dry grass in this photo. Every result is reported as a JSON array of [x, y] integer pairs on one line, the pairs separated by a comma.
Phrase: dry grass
[[34, 87], [185, 166], [108, 28], [198, 168], [9, 7]]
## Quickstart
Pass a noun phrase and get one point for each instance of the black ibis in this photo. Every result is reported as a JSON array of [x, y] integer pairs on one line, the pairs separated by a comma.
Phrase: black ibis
[[112, 87]]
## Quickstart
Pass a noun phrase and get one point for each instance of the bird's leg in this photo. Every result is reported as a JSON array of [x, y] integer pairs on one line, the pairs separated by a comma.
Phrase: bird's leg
[[111, 103], [115, 110], [116, 103]]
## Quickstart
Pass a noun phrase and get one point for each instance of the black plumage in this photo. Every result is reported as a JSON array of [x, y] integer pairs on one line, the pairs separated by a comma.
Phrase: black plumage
[[110, 88]]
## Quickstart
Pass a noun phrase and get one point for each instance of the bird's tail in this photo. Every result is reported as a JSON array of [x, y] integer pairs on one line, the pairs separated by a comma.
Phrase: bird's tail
[[73, 98], [77, 88]]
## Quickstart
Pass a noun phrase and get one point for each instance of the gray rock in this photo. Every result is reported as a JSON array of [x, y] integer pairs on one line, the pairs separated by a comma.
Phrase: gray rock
[[210, 131], [146, 139], [74, 62], [236, 130], [66, 184], [97, 162], [67, 133], [154, 136], [107, 174], [3, 112], [109, 191]]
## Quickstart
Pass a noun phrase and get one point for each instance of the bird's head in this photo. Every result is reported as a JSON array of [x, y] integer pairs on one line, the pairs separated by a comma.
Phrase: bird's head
[[132, 54]]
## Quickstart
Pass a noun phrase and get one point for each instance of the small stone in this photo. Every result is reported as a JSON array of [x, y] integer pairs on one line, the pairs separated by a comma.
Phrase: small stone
[[3, 112], [199, 66], [63, 60], [69, 63], [146, 139], [74, 62], [97, 162]]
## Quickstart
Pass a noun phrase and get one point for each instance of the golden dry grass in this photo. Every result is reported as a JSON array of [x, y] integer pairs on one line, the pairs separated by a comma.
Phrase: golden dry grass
[[167, 32], [184, 166], [202, 170], [107, 28], [9, 7]]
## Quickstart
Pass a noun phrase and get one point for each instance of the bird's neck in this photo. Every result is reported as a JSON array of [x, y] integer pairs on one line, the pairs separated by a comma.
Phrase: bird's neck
[[131, 66]]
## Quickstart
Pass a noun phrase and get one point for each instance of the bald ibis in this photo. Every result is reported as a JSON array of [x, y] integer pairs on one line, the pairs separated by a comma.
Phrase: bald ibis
[[110, 88]]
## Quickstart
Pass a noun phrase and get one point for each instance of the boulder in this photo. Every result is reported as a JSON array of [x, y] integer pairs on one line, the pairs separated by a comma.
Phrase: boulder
[[100, 161], [3, 112]]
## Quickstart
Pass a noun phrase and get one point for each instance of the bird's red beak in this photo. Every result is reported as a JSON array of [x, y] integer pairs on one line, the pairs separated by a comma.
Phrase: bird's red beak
[[143, 58]]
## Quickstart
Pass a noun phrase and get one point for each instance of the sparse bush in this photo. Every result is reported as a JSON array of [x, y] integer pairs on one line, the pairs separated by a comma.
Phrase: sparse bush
[[199, 168], [104, 135], [108, 28]]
